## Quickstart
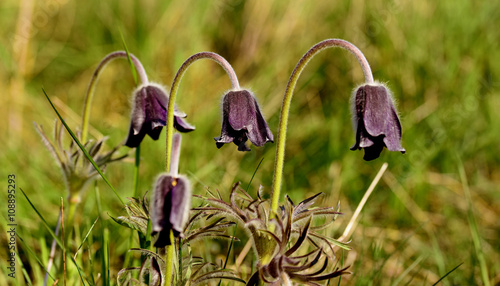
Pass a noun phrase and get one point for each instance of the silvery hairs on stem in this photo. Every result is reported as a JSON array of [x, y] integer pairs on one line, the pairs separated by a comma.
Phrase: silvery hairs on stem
[[375, 117], [148, 115], [242, 118]]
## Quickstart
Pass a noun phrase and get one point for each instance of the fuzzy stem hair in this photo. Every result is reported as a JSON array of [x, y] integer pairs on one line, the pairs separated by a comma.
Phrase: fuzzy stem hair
[[93, 81], [285, 108], [175, 86]]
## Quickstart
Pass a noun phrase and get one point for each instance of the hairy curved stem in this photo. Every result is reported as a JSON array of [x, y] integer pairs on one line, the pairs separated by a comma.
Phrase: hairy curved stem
[[172, 163], [93, 82], [175, 86], [285, 108]]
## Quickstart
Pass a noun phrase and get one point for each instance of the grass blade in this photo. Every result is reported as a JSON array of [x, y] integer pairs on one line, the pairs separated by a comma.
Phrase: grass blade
[[34, 255], [253, 175], [43, 220], [104, 240], [232, 239], [132, 67], [83, 148], [58, 241], [476, 238], [407, 270], [449, 272], [86, 236]]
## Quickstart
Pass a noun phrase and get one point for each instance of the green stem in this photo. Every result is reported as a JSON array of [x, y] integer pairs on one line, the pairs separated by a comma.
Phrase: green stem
[[136, 170], [285, 108], [169, 257], [179, 258], [128, 255], [175, 86], [93, 82], [104, 239], [71, 212], [171, 161]]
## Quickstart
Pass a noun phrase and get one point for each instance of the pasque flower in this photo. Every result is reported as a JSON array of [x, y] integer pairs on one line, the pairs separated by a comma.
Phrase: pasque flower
[[242, 121], [170, 207], [376, 121], [149, 114]]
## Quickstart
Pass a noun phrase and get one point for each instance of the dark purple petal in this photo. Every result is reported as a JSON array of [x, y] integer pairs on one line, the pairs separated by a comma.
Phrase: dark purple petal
[[149, 115], [393, 138], [224, 136], [182, 126], [376, 109], [154, 133], [373, 151], [170, 208], [358, 137], [158, 92], [156, 114], [133, 140], [240, 108], [259, 133], [181, 199], [139, 111], [242, 121], [228, 135], [376, 121], [144, 119], [380, 117]]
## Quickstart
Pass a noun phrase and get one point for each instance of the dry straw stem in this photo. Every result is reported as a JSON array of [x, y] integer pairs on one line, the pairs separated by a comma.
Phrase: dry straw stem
[[242, 255], [52, 251], [353, 223]]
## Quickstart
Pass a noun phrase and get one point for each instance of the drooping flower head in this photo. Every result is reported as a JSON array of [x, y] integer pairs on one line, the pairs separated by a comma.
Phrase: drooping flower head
[[242, 121], [149, 115], [375, 121], [170, 207]]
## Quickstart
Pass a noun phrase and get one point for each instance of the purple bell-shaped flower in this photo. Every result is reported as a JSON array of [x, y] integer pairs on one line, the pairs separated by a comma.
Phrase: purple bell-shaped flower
[[376, 121], [242, 121], [149, 115]]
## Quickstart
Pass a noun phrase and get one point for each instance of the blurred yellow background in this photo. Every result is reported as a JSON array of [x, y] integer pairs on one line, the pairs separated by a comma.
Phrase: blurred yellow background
[[440, 58]]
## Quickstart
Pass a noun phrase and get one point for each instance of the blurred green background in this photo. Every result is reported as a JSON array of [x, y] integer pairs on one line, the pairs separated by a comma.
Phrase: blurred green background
[[440, 59]]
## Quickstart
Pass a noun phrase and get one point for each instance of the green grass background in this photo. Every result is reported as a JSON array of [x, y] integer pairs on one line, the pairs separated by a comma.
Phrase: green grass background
[[440, 59]]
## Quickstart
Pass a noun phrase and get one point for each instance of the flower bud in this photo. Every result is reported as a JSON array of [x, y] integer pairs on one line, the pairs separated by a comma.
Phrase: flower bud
[[242, 121], [149, 115], [375, 121], [170, 207]]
